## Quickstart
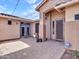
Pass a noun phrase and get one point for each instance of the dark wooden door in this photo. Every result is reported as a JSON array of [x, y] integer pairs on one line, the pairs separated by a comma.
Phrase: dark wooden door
[[28, 31], [37, 28], [22, 31], [59, 29]]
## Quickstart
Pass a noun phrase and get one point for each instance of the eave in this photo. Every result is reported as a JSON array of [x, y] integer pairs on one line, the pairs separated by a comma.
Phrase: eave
[[67, 4], [41, 4], [17, 19]]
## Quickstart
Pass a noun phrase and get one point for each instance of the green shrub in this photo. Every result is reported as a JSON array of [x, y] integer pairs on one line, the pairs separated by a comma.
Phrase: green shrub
[[76, 54]]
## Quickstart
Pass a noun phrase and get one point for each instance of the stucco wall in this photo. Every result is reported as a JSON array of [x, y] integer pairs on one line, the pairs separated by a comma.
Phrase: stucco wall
[[41, 26], [72, 34], [72, 26], [47, 23], [9, 31], [32, 28], [71, 11]]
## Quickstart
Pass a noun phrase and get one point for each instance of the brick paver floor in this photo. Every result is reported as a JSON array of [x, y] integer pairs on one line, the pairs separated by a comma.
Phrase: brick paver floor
[[46, 50]]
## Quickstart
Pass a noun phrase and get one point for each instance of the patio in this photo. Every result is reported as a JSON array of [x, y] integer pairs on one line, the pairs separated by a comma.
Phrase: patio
[[28, 48]]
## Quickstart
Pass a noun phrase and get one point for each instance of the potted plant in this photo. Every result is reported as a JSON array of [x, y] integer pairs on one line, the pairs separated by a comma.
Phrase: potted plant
[[76, 54]]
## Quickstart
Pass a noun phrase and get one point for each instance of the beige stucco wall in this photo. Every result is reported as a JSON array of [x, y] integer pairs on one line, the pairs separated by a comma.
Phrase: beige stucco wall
[[72, 34], [70, 12], [41, 26], [47, 23], [32, 28], [9, 31], [72, 26]]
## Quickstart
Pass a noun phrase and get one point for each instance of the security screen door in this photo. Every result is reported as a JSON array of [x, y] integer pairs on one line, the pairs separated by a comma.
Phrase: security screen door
[[59, 29]]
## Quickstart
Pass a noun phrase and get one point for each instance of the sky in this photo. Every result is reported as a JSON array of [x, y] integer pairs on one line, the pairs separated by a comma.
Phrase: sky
[[25, 8]]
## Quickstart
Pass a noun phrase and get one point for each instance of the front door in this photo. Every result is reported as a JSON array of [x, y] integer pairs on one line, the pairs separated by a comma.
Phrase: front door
[[27, 31], [22, 31], [59, 30]]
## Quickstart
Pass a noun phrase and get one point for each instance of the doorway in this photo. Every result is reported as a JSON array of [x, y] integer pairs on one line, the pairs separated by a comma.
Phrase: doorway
[[37, 28], [22, 31], [59, 30], [27, 31]]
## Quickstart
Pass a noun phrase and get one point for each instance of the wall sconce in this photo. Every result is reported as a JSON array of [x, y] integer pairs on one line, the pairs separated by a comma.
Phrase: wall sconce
[[45, 17]]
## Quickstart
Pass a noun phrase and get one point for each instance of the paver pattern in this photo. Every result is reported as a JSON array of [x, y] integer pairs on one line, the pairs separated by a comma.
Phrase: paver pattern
[[46, 50]]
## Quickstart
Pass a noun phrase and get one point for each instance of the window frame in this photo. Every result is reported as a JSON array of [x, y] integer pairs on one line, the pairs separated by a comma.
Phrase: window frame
[[9, 22], [76, 16]]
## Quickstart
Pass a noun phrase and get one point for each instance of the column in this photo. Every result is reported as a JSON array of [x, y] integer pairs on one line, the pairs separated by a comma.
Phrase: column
[[41, 27]]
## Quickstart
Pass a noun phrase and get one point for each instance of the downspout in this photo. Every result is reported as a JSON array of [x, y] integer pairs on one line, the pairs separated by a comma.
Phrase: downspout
[[64, 26], [50, 24], [20, 30]]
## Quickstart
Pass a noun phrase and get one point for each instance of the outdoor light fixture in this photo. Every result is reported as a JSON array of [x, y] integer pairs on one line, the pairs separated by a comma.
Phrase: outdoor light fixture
[[45, 17]]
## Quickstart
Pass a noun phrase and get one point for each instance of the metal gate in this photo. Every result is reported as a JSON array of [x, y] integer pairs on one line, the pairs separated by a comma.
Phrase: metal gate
[[59, 30]]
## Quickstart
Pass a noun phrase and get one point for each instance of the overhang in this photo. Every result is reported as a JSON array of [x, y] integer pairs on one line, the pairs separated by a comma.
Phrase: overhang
[[40, 5], [67, 4], [17, 19]]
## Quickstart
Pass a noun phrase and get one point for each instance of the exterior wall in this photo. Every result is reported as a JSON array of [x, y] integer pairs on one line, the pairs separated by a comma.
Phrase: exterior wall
[[47, 23], [72, 26], [9, 31], [71, 11], [32, 28], [72, 34], [41, 27]]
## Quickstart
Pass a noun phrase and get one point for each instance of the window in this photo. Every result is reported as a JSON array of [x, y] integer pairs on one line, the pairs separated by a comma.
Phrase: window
[[53, 24], [53, 27], [22, 22], [77, 17], [9, 22]]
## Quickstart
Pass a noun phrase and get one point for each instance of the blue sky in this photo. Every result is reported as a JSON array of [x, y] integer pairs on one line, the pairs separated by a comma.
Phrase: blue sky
[[25, 8]]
